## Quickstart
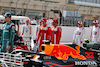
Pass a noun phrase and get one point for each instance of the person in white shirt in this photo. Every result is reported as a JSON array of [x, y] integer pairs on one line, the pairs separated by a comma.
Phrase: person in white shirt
[[78, 35], [33, 21], [27, 34], [49, 22], [95, 32]]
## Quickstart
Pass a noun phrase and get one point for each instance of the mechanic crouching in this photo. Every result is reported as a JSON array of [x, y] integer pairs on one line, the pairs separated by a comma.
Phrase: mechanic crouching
[[8, 33]]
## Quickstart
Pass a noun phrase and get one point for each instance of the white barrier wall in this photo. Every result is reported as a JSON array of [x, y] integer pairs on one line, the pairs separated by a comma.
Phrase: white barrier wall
[[67, 32]]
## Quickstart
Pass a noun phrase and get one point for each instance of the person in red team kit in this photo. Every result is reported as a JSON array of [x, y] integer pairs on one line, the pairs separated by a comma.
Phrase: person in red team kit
[[55, 32], [43, 33]]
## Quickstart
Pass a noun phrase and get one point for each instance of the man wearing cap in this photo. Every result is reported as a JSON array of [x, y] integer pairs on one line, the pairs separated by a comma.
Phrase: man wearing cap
[[8, 34], [44, 32], [95, 32], [26, 33], [55, 32], [79, 34]]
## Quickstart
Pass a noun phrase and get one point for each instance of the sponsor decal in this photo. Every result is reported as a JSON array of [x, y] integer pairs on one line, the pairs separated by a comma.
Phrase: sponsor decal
[[13, 28], [47, 58], [86, 63], [63, 52]]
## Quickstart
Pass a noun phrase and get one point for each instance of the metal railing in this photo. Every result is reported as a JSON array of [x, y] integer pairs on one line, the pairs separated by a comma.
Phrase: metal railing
[[10, 60]]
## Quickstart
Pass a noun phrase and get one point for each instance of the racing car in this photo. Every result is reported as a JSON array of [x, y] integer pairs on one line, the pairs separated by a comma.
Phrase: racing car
[[64, 55], [60, 55]]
